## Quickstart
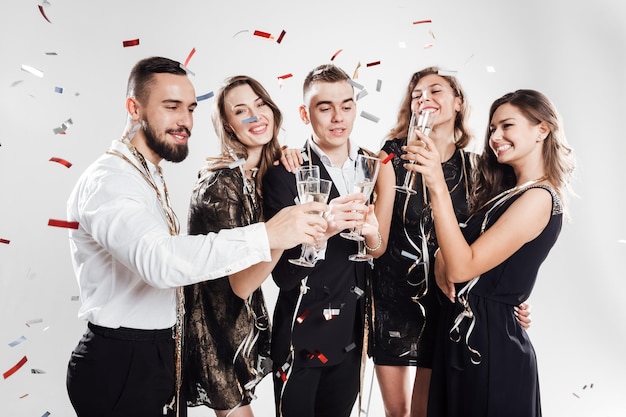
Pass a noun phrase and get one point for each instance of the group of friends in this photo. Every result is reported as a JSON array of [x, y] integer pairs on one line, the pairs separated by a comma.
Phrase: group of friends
[[177, 321]]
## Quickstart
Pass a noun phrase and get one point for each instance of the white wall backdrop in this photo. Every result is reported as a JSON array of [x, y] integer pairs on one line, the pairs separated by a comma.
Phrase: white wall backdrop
[[574, 52]]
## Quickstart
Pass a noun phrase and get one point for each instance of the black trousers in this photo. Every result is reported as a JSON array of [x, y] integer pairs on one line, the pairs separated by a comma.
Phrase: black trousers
[[327, 391], [122, 372]]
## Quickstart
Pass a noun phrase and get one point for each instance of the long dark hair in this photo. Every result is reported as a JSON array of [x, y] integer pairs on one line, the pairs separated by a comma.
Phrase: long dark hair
[[492, 177]]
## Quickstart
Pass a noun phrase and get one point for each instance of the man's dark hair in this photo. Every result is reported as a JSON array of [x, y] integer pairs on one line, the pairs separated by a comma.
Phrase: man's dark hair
[[142, 74]]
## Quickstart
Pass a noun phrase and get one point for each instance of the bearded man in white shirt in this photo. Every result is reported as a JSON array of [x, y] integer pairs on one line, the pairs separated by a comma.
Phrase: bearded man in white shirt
[[130, 261]]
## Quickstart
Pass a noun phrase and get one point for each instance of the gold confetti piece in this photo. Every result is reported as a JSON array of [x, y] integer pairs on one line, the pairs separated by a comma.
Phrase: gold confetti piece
[[356, 71]]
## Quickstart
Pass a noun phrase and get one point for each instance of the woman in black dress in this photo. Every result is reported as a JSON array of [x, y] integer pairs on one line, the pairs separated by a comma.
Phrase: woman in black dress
[[486, 364], [227, 326]]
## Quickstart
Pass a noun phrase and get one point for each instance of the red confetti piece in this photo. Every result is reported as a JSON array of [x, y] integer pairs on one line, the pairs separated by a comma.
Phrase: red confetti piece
[[371, 64], [419, 22], [262, 34], [130, 42], [193, 51], [335, 54], [388, 158], [5, 241], [63, 223], [43, 13], [281, 36], [428, 46], [283, 77], [321, 357], [302, 316], [61, 161], [15, 368]]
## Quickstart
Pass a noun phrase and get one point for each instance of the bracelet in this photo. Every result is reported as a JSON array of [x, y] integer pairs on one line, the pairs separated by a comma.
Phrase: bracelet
[[378, 245]]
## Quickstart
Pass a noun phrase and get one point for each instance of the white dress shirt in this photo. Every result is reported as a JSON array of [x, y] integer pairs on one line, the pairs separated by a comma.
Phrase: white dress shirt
[[126, 261]]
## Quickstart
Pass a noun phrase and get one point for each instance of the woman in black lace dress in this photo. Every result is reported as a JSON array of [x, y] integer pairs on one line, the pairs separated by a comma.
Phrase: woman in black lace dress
[[485, 364], [227, 327]]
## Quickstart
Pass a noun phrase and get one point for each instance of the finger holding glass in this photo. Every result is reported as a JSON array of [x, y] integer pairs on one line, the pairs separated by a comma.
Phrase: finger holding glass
[[422, 121], [312, 189], [363, 180]]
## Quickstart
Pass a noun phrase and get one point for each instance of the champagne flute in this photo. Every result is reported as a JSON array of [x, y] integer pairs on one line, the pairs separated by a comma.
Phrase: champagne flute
[[424, 122], [363, 180], [312, 189]]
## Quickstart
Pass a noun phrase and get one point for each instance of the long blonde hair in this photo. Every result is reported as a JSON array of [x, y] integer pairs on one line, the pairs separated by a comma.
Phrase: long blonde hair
[[462, 135]]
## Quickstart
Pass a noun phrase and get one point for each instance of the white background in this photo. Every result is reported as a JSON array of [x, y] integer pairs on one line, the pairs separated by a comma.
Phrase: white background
[[574, 52]]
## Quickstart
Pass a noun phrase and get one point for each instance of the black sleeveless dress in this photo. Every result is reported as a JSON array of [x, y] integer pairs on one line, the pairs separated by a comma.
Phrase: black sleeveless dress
[[485, 364], [406, 301]]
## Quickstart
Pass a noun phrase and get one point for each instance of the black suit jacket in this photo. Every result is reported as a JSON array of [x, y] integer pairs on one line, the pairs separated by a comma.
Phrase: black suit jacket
[[335, 283]]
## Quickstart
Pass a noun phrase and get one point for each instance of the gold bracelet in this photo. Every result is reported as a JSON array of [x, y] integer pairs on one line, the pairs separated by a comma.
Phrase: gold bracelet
[[378, 245]]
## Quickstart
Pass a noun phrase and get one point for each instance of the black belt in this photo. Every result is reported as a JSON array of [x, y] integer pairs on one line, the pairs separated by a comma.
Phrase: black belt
[[124, 333]]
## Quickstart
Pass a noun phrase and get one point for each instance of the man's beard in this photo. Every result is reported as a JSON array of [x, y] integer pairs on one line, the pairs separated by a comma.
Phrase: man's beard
[[172, 153]]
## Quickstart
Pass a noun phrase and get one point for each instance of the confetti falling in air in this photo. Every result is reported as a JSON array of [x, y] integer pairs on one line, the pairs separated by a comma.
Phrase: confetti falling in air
[[262, 34], [58, 90], [130, 42], [5, 241], [14, 83], [421, 22], [281, 36], [371, 64], [51, 53], [31, 70], [15, 368], [370, 116], [63, 128], [335, 54], [23, 396], [193, 51], [402, 45], [379, 85], [62, 223], [428, 46], [34, 321], [187, 70], [490, 68], [43, 4], [37, 371], [205, 96], [361, 94], [356, 71], [46, 414], [61, 161], [17, 341], [284, 77], [241, 31], [355, 84], [74, 298]]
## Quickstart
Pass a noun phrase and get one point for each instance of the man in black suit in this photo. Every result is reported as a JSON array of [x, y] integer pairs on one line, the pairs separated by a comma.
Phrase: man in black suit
[[319, 318]]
